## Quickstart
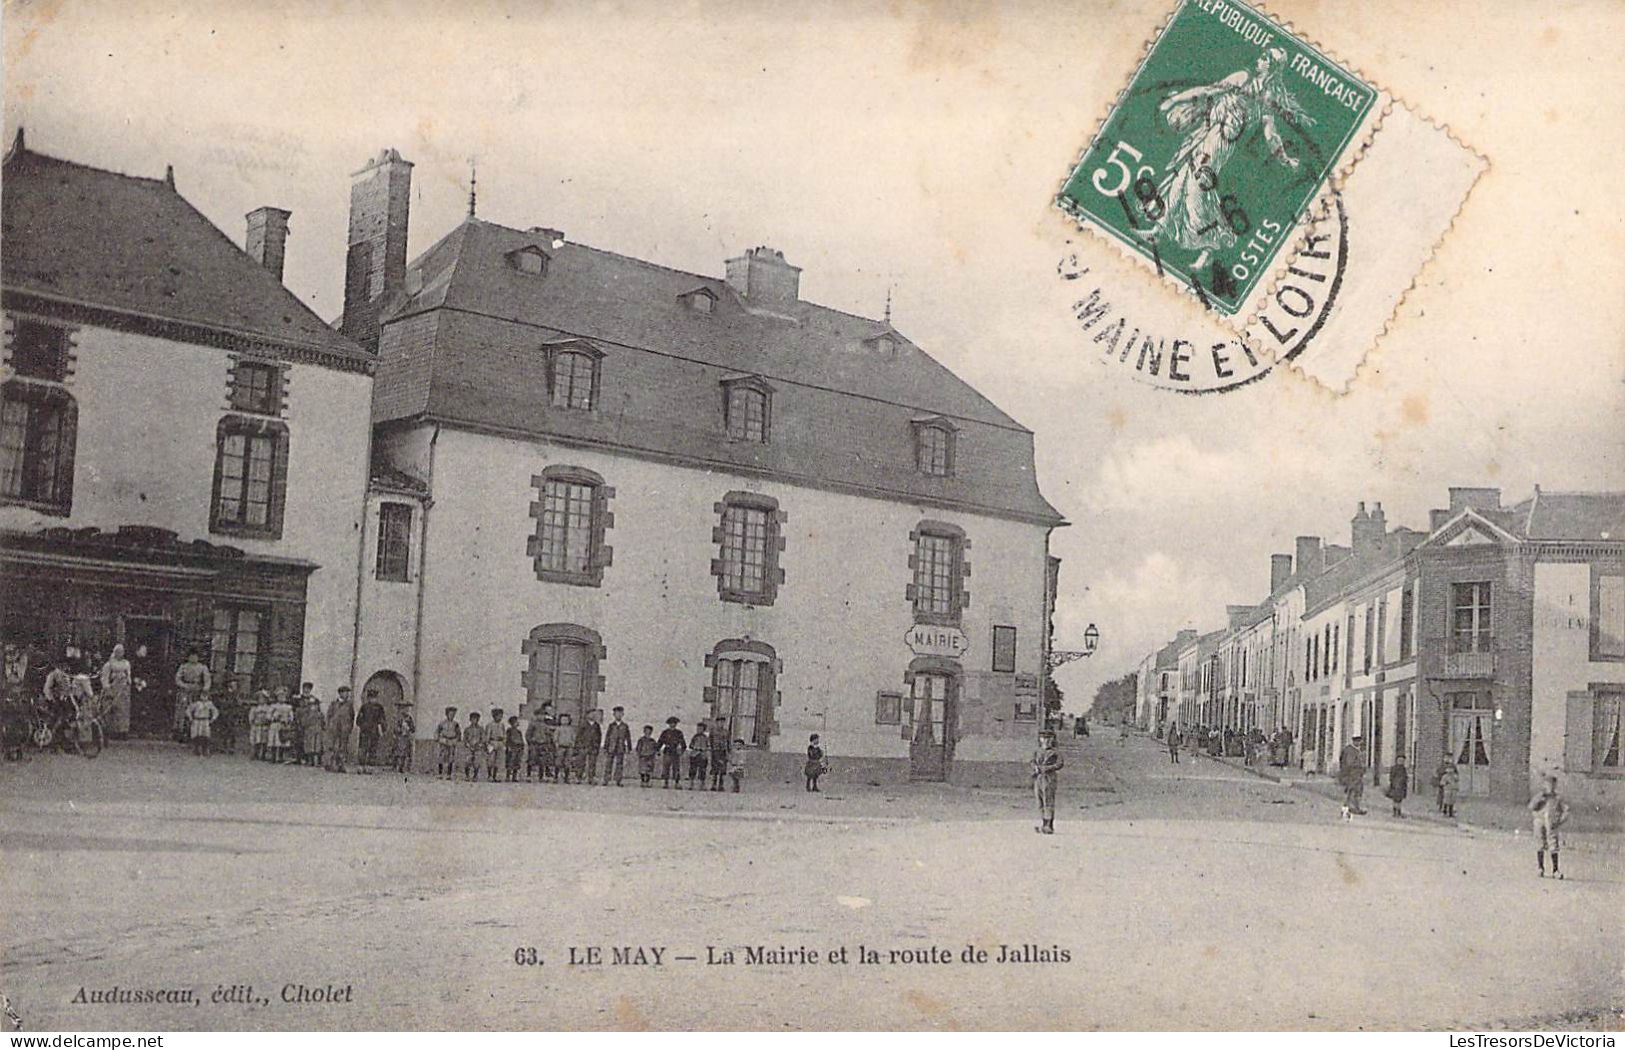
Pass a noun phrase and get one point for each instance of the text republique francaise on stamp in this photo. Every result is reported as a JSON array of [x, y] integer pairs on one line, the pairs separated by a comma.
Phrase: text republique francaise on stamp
[[1228, 169]]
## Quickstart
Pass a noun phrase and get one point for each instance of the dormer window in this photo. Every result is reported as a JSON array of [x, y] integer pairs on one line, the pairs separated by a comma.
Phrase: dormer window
[[700, 300], [884, 344], [572, 375], [934, 446], [747, 409], [529, 260], [39, 350]]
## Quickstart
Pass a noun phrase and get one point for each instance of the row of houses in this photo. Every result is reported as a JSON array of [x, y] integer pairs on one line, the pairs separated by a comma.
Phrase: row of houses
[[1494, 639], [517, 470]]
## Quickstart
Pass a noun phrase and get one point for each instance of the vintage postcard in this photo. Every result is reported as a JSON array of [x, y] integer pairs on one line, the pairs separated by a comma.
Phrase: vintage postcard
[[682, 517]]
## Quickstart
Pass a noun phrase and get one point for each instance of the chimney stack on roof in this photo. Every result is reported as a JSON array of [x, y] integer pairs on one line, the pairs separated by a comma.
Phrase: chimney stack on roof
[[1462, 498], [1310, 557], [267, 242], [764, 280], [1280, 570], [375, 262], [1366, 530]]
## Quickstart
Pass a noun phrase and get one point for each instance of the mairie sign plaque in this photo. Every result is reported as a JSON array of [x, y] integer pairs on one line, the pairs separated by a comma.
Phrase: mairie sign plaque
[[928, 640]]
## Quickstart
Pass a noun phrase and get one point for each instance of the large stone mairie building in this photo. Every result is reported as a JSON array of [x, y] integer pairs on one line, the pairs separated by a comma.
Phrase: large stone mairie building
[[599, 481]]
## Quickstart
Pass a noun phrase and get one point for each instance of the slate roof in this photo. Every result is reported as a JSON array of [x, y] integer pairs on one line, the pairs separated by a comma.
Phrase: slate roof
[[465, 346], [133, 245], [1572, 516]]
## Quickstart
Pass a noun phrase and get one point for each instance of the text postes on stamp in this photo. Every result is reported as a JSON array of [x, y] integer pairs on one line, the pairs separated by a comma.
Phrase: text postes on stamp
[[1217, 148]]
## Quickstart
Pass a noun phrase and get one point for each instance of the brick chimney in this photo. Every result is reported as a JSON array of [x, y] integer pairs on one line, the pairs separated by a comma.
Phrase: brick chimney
[[1280, 570], [267, 242], [764, 280], [1478, 499], [1310, 557], [1367, 530], [375, 262]]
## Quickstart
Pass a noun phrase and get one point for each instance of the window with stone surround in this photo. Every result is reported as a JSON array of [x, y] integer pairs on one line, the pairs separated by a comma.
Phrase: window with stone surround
[[939, 566], [250, 477], [743, 694], [749, 540], [256, 386], [236, 641], [562, 669], [40, 350], [39, 427], [572, 518]]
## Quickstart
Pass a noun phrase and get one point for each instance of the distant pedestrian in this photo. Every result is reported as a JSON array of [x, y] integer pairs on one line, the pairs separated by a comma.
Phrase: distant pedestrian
[[473, 747], [1047, 763], [1550, 812], [1399, 784], [279, 725], [736, 764], [719, 753], [447, 735], [514, 749], [617, 742], [191, 681], [340, 724], [816, 765], [533, 749], [647, 747], [1445, 763], [201, 715], [1351, 776], [406, 728], [565, 749], [258, 718], [1175, 738], [496, 744], [118, 677], [369, 721], [298, 746], [313, 732], [672, 745], [1449, 788], [589, 741], [699, 755]]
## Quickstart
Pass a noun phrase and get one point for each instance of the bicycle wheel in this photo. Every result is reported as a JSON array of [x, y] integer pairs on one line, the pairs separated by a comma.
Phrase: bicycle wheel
[[91, 743], [42, 736]]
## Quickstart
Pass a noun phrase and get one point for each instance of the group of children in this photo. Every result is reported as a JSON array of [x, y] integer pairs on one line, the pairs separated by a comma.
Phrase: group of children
[[553, 748], [294, 730]]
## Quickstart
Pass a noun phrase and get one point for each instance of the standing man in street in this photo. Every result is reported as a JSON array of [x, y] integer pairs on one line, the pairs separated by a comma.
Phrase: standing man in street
[[1047, 763], [340, 723], [1351, 775], [617, 742], [672, 746], [1175, 738], [370, 721], [191, 682], [589, 741]]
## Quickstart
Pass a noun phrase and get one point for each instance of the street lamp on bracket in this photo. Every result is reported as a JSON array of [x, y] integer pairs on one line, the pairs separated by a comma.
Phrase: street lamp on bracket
[[1091, 642]]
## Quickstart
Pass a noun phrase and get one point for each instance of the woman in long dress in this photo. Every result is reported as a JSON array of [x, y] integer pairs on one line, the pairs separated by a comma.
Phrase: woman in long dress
[[116, 678], [1217, 117]]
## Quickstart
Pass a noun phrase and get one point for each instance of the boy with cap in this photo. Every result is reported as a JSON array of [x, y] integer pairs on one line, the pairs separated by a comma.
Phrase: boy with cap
[[514, 744], [495, 744], [672, 746], [1047, 763], [406, 728], [1550, 813], [617, 742], [647, 748], [447, 735], [699, 755]]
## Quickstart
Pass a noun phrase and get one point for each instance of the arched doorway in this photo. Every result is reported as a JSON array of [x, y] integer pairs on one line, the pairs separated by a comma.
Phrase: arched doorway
[[392, 695]]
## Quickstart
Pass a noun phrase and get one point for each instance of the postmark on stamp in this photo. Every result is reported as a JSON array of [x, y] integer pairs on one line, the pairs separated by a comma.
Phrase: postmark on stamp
[[1217, 148], [1221, 161]]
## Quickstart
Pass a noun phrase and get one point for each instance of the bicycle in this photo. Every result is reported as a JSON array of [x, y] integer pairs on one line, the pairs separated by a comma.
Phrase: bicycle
[[88, 737]]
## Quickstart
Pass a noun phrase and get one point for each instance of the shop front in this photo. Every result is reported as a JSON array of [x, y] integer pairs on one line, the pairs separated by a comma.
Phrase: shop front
[[72, 595]]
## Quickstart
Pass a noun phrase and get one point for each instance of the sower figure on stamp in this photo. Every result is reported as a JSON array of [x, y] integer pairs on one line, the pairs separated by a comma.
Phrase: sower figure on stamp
[[1047, 763], [1214, 118]]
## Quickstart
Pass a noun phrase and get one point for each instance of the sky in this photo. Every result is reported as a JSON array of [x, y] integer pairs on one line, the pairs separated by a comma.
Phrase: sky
[[915, 147]]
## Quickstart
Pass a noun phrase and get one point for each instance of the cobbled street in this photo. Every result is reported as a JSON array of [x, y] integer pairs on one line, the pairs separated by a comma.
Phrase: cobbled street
[[1196, 896]]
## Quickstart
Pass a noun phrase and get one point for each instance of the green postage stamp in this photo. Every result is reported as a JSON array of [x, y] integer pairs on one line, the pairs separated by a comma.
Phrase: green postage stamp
[[1227, 133]]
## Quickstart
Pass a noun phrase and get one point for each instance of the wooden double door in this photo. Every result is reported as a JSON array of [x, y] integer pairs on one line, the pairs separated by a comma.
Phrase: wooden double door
[[931, 750]]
